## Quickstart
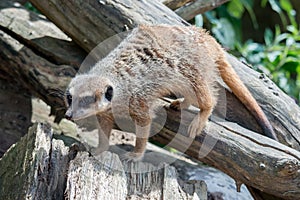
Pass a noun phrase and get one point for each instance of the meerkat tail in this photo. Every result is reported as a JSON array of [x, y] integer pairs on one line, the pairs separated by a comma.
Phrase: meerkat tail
[[239, 89]]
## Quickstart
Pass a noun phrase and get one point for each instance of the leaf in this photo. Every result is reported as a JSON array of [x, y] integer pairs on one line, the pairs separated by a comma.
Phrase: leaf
[[276, 7], [210, 15], [254, 47], [199, 20], [268, 36], [248, 5], [290, 66], [286, 5], [224, 32], [293, 29], [272, 56], [290, 41], [235, 8], [263, 3], [281, 38]]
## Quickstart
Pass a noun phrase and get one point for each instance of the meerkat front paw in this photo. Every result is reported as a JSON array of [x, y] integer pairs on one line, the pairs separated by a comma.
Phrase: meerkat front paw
[[132, 156]]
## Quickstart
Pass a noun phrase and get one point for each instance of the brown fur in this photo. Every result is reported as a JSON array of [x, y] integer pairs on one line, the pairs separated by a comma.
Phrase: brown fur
[[154, 61]]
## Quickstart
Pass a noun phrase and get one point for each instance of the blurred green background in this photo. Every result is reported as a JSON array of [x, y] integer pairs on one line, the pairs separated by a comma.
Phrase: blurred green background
[[263, 33]]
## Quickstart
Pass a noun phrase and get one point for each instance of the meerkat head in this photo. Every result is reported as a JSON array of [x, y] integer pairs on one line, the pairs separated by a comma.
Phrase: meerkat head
[[88, 95]]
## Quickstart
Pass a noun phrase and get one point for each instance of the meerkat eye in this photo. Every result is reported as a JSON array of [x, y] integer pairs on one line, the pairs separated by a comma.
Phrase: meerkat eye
[[109, 93], [69, 98]]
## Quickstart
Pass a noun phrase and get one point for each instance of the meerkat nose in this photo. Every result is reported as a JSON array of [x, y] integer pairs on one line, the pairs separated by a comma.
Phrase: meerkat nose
[[68, 115]]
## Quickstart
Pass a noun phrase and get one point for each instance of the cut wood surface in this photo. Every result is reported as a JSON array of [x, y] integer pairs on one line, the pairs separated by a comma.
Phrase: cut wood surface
[[247, 157], [39, 167]]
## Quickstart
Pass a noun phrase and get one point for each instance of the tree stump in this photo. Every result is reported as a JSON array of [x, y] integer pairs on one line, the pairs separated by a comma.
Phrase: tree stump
[[40, 167]]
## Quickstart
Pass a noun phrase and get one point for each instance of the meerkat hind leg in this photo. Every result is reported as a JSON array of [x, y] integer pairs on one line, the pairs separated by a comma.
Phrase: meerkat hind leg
[[206, 103]]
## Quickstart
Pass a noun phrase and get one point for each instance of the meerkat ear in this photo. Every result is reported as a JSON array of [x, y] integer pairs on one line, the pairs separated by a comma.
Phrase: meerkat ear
[[109, 93]]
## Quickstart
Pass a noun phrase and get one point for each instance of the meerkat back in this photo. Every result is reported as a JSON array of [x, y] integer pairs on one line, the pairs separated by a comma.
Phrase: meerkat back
[[154, 61]]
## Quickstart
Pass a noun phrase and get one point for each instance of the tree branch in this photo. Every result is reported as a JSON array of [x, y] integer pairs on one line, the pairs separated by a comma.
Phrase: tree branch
[[112, 17], [190, 10], [174, 4]]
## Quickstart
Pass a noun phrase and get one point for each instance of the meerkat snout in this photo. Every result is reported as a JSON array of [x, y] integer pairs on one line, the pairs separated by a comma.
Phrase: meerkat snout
[[68, 115], [68, 103], [86, 98]]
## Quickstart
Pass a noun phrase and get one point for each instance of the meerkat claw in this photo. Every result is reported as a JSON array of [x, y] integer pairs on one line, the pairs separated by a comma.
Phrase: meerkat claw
[[194, 128]]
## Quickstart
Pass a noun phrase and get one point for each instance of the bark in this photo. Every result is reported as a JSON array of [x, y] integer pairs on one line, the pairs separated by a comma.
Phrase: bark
[[33, 168], [194, 8], [249, 158], [260, 162], [37, 55], [174, 4], [39, 167], [272, 100]]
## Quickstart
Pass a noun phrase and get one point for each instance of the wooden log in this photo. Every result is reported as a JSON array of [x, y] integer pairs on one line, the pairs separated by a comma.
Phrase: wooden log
[[283, 111], [40, 35], [174, 4], [39, 167], [105, 177], [43, 78], [34, 167], [249, 158], [37, 55], [103, 18], [286, 124], [190, 10]]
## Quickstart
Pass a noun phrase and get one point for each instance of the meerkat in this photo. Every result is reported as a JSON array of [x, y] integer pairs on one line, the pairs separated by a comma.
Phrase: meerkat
[[153, 62]]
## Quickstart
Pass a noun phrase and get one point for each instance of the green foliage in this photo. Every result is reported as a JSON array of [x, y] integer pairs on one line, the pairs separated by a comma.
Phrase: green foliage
[[278, 56], [30, 7]]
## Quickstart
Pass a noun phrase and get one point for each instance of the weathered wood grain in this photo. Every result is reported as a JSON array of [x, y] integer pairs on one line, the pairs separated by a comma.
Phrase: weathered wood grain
[[105, 177], [283, 113], [39, 167], [174, 4], [249, 158], [40, 35], [34, 168], [36, 54], [137, 14], [103, 19], [189, 11]]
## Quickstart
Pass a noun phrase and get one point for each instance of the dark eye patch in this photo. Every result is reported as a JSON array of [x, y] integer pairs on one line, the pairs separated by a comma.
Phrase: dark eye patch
[[109, 93], [69, 98], [86, 101]]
